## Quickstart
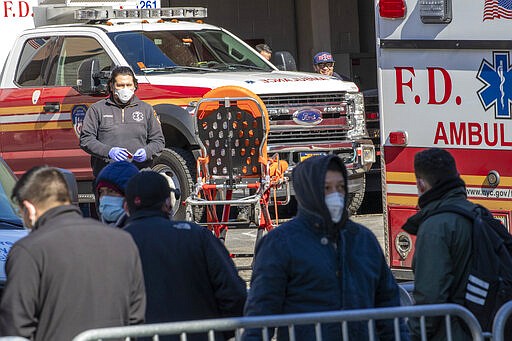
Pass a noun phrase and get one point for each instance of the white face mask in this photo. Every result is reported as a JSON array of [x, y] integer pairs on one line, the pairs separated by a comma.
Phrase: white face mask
[[124, 94], [335, 203]]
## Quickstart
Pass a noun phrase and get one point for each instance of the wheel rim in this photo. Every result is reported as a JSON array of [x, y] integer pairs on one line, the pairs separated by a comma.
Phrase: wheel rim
[[174, 183]]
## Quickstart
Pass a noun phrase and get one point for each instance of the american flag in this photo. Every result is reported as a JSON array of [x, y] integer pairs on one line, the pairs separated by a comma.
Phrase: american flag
[[497, 9], [36, 43]]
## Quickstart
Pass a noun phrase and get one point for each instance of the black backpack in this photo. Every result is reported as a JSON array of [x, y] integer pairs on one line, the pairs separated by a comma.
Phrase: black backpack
[[490, 278]]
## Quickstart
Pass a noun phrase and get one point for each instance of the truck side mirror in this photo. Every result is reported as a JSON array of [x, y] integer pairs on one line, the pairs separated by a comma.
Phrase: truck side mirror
[[284, 61], [90, 80]]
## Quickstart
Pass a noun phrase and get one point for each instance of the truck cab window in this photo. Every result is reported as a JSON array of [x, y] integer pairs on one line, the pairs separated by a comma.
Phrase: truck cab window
[[32, 62], [141, 50], [205, 50], [73, 51]]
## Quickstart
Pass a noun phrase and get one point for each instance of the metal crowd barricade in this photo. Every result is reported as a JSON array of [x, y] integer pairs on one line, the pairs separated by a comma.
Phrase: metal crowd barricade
[[265, 323], [500, 320], [406, 298]]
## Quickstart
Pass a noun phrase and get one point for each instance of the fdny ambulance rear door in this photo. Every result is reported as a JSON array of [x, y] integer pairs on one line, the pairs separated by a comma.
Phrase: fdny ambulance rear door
[[445, 80]]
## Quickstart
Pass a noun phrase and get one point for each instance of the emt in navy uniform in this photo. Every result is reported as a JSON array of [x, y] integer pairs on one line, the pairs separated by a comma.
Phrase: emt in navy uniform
[[121, 127]]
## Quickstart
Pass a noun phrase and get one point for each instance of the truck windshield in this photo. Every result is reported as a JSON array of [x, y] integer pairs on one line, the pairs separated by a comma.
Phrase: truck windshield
[[186, 51]]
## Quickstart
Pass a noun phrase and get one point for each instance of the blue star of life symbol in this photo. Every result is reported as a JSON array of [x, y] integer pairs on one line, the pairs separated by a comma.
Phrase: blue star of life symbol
[[497, 91]]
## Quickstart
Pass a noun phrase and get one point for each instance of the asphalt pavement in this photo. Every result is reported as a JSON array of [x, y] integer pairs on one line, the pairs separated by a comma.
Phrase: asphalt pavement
[[240, 241]]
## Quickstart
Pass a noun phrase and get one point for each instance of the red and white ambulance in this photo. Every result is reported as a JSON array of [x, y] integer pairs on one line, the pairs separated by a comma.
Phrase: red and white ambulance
[[445, 80]]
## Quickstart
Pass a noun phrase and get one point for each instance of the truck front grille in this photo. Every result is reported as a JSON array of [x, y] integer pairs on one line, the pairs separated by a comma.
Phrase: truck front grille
[[309, 135], [305, 99], [283, 130]]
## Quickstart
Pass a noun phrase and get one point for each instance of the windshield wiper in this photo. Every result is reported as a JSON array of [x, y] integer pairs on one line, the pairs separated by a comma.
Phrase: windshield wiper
[[14, 223], [177, 68], [235, 65]]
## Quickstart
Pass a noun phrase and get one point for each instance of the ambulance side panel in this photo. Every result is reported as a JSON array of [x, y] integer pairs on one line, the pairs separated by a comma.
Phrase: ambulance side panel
[[449, 86]]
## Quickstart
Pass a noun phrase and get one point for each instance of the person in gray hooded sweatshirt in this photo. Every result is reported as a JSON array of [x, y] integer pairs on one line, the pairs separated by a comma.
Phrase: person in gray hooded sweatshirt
[[321, 260]]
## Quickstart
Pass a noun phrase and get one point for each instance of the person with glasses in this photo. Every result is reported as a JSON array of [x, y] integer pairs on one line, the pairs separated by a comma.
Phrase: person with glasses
[[323, 63]]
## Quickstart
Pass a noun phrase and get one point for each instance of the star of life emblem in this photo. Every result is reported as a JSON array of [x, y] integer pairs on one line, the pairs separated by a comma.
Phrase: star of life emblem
[[497, 77], [137, 116]]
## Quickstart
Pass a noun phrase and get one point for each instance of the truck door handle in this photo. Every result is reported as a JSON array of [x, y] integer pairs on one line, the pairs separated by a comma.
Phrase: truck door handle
[[51, 107]]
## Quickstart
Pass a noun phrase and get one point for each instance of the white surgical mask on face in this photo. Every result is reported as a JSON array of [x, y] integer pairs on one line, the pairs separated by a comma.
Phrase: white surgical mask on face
[[124, 94], [335, 203]]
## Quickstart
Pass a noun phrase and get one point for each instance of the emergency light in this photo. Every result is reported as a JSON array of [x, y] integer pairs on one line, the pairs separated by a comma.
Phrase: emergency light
[[398, 138], [148, 13], [435, 11], [392, 9]]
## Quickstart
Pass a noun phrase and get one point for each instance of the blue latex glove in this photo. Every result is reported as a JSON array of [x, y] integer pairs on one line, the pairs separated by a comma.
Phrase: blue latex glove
[[118, 154], [140, 155]]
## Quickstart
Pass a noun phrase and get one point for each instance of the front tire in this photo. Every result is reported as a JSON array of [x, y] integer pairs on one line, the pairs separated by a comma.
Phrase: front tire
[[178, 166], [355, 199]]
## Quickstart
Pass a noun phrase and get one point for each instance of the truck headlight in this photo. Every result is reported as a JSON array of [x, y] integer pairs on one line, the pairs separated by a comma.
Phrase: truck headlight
[[356, 115], [367, 153]]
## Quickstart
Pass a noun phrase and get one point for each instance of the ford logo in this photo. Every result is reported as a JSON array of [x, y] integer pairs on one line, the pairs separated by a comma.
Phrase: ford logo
[[307, 117]]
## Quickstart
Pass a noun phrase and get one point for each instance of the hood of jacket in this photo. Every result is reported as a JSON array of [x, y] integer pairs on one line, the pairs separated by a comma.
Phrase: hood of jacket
[[308, 179]]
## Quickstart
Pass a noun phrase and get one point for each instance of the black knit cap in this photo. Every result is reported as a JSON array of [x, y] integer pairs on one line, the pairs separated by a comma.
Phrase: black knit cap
[[147, 190]]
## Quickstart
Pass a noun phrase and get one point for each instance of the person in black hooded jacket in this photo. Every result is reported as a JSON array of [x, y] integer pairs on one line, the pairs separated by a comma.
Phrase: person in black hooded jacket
[[321, 260]]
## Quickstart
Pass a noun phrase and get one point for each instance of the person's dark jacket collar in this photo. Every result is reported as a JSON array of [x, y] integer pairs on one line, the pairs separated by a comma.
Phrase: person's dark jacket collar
[[144, 213], [309, 184], [67, 210], [436, 193]]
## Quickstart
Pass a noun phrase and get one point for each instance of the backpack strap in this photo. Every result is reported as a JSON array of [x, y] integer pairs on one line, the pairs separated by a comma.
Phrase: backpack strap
[[469, 214]]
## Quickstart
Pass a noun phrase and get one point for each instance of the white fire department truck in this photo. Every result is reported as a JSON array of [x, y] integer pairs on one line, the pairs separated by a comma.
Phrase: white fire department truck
[[55, 71], [445, 80]]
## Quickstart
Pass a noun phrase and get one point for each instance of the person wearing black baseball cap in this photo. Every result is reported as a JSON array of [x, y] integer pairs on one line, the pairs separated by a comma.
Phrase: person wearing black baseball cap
[[187, 271]]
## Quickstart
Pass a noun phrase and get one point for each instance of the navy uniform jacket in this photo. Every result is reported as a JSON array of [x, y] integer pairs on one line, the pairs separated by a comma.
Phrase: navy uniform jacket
[[188, 272]]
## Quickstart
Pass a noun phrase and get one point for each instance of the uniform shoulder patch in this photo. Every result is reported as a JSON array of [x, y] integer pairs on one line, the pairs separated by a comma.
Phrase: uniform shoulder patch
[[77, 117]]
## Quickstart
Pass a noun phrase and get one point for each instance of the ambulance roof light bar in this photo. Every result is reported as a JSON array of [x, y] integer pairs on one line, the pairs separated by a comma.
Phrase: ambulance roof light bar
[[52, 12], [392, 9], [435, 11], [148, 13]]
